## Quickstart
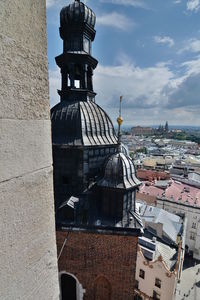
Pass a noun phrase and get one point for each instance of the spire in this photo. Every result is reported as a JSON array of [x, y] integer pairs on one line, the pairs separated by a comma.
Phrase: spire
[[77, 23], [120, 121]]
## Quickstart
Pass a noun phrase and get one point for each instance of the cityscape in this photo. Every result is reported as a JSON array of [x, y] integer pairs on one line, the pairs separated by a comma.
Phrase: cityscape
[[167, 163], [99, 150]]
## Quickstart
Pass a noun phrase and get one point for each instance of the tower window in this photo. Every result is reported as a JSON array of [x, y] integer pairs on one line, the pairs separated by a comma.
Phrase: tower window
[[102, 151], [97, 152], [77, 84], [107, 150], [91, 153]]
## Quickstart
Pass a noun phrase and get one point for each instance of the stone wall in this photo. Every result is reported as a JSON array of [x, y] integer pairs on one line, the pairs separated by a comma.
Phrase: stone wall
[[28, 249], [103, 264]]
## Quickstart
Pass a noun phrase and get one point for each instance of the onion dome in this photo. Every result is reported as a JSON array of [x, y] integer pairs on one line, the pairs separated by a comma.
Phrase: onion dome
[[119, 172], [77, 13], [81, 123]]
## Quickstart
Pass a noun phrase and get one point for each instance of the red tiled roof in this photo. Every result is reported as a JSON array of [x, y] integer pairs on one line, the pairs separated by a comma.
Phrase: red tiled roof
[[183, 192], [151, 190], [176, 191], [151, 175]]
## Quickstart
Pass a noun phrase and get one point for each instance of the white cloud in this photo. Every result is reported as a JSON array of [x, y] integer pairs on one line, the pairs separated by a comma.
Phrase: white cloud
[[54, 85], [151, 95], [193, 5], [164, 40], [50, 3], [115, 20], [141, 87], [135, 3], [192, 45], [192, 67]]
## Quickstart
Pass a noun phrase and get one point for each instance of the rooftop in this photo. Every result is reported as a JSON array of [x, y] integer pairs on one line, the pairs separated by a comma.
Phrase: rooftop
[[172, 224], [155, 249], [183, 193]]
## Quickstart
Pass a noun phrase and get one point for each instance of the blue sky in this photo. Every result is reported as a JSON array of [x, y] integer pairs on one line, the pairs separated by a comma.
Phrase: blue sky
[[148, 51]]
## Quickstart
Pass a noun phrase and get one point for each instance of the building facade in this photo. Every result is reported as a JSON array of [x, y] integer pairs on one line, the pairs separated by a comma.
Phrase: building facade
[[192, 213], [138, 130], [154, 278], [102, 264], [160, 253]]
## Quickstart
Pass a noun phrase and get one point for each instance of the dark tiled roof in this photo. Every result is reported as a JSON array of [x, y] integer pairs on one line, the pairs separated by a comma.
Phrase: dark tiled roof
[[81, 123], [77, 12], [119, 172]]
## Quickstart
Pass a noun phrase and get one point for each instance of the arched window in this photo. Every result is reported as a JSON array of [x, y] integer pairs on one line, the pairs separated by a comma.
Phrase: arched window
[[102, 289], [70, 287]]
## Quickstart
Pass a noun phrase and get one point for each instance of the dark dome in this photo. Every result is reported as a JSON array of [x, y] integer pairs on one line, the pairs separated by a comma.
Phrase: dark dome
[[81, 123], [77, 13], [119, 172]]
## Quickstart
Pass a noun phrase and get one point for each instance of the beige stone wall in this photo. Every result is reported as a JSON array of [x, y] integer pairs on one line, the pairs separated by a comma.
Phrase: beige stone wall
[[27, 229], [152, 271]]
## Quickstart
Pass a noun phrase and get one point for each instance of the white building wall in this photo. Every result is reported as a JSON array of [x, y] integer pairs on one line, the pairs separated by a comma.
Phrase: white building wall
[[152, 271], [193, 222], [28, 257]]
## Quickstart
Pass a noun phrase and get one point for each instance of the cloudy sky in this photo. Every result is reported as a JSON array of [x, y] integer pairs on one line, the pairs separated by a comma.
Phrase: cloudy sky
[[148, 51]]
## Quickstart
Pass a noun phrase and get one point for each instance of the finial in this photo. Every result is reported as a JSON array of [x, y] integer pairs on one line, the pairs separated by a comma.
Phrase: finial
[[119, 121]]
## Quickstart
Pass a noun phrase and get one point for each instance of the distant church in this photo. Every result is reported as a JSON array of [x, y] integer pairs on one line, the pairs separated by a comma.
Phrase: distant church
[[94, 178]]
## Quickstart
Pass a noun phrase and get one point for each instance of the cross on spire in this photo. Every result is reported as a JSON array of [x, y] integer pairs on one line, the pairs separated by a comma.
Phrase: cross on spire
[[120, 121]]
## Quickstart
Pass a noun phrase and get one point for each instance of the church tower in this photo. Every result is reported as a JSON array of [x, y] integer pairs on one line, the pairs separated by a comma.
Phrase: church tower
[[82, 133], [94, 178]]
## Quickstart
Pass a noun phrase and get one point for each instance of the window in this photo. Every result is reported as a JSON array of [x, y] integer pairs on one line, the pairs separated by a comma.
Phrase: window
[[102, 151], [142, 273], [77, 84], [107, 150], [194, 225], [102, 289], [137, 297], [156, 296], [158, 282], [91, 153], [97, 152], [192, 236], [68, 287]]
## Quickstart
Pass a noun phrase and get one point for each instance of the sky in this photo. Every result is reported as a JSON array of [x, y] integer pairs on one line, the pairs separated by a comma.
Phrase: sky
[[148, 51]]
